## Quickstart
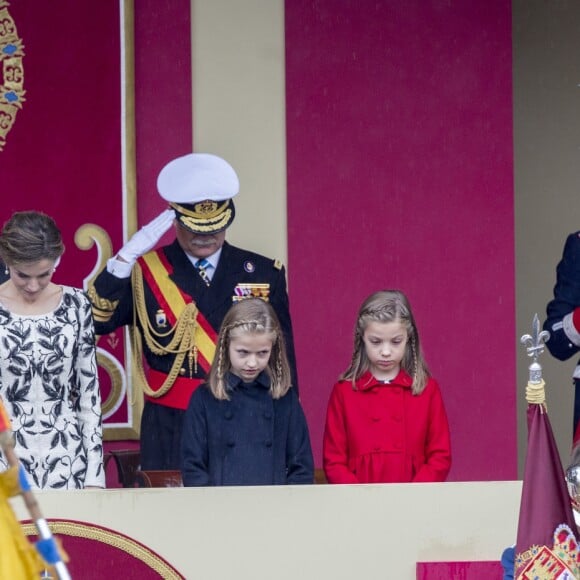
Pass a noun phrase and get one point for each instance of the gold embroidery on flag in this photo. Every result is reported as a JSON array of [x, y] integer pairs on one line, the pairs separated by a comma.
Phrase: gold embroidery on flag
[[544, 563]]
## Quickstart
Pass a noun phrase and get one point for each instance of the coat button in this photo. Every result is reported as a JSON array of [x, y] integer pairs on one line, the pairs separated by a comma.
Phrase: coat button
[[267, 415], [182, 371], [268, 443], [228, 415]]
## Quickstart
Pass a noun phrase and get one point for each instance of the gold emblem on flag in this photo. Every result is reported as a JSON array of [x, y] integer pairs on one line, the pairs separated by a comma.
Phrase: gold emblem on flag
[[548, 563]]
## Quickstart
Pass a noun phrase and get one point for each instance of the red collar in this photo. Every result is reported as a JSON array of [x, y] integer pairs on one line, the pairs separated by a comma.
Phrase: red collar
[[367, 381]]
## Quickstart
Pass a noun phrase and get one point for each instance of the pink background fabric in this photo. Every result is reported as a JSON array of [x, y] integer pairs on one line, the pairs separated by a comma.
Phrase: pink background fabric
[[95, 552], [400, 175], [399, 164], [63, 154], [459, 570]]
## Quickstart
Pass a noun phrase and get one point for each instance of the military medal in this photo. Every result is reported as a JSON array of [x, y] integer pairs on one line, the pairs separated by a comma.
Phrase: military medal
[[161, 318], [242, 291]]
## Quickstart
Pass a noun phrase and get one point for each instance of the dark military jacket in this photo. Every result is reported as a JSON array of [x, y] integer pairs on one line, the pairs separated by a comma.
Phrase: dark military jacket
[[3, 275], [566, 300], [236, 266]]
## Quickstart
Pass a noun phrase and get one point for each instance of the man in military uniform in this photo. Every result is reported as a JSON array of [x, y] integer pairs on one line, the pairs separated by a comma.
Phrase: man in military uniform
[[563, 316], [176, 297]]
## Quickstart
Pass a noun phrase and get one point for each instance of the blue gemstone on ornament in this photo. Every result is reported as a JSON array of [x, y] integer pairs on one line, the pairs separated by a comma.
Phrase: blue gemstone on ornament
[[9, 49]]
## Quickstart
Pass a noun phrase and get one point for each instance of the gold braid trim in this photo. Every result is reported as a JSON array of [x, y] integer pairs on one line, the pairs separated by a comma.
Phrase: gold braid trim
[[111, 538], [103, 309], [182, 342], [204, 225], [535, 394]]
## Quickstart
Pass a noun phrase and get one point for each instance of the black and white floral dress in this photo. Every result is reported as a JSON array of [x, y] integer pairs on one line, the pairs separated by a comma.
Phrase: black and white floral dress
[[50, 388]]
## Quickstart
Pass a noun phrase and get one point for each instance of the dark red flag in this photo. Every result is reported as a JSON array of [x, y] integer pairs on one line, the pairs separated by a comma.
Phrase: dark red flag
[[546, 546]]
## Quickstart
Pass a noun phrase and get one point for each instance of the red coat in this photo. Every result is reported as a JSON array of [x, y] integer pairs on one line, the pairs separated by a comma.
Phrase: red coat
[[382, 433]]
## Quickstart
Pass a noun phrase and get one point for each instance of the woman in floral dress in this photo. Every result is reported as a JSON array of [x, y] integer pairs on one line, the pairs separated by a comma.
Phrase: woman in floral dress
[[48, 371]]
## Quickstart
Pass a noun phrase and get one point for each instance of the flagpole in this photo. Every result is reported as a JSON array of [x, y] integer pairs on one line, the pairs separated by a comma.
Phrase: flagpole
[[546, 545], [535, 347], [7, 444]]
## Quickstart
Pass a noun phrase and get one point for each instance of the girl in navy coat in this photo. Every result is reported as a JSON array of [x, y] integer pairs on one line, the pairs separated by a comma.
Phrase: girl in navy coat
[[246, 426]]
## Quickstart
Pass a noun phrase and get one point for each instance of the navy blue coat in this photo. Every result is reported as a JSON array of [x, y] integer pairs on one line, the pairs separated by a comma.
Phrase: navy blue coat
[[251, 439], [566, 299]]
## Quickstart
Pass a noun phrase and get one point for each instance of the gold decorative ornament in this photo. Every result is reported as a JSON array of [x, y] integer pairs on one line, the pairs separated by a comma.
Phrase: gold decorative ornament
[[198, 224], [110, 538], [116, 377], [12, 78]]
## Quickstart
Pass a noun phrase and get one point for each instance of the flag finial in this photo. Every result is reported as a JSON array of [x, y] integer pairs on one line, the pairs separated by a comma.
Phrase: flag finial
[[535, 347]]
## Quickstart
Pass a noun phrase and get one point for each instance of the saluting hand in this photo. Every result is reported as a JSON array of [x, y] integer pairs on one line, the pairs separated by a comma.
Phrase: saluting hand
[[147, 237]]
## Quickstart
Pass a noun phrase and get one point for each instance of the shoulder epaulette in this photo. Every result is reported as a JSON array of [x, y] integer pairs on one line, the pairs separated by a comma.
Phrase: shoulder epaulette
[[103, 309]]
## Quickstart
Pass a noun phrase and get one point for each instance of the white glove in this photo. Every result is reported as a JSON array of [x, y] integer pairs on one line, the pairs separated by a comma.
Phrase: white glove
[[147, 237]]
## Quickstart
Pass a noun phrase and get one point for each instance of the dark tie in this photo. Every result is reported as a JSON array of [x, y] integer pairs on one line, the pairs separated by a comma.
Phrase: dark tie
[[202, 267]]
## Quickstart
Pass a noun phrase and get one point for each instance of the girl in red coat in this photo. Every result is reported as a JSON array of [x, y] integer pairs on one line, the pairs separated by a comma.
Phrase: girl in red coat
[[386, 422]]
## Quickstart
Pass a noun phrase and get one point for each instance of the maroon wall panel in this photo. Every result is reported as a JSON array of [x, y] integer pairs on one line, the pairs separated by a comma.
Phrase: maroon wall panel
[[399, 140]]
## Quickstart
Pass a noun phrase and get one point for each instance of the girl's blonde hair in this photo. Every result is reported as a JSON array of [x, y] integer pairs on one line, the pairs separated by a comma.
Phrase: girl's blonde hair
[[388, 306], [255, 316]]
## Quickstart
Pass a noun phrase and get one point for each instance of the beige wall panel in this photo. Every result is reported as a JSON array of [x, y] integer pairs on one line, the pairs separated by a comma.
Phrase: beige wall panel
[[547, 182], [308, 532], [239, 110], [238, 96]]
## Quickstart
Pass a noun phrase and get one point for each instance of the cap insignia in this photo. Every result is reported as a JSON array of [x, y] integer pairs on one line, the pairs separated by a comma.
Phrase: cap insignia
[[205, 226], [205, 207]]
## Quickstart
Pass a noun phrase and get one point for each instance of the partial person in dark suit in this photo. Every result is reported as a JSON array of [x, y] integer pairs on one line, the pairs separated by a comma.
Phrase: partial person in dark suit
[[176, 297], [563, 316]]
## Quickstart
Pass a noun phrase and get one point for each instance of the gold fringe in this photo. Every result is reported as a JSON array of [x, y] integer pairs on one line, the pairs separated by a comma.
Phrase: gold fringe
[[535, 394], [111, 538], [103, 309], [181, 344]]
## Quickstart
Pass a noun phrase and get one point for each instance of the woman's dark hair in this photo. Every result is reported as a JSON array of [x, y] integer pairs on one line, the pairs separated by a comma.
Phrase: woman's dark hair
[[30, 236]]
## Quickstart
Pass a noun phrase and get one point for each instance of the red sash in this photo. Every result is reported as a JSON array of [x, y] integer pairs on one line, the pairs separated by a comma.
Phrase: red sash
[[178, 395], [172, 300], [156, 271]]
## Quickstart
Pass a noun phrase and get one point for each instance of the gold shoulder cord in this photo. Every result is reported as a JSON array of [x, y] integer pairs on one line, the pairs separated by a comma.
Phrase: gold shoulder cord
[[183, 341]]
